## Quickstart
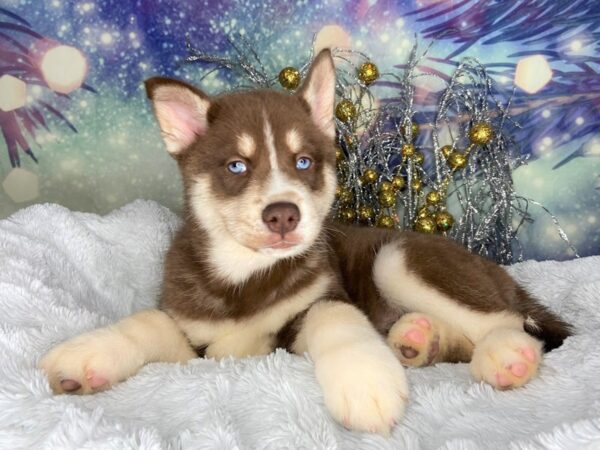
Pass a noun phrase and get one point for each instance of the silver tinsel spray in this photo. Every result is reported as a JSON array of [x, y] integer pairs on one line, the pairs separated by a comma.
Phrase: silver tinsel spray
[[449, 174]]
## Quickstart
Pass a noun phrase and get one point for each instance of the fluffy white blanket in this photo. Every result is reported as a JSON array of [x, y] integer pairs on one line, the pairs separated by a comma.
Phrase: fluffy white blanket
[[63, 273]]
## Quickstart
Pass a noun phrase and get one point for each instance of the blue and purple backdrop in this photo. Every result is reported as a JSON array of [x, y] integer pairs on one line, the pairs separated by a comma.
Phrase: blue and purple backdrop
[[78, 131]]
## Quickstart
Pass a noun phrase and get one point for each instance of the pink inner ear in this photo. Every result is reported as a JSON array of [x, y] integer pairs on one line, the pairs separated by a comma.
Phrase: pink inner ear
[[322, 111], [184, 121], [320, 95]]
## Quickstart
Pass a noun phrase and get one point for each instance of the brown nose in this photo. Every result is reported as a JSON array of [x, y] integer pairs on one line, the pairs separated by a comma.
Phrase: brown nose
[[281, 217]]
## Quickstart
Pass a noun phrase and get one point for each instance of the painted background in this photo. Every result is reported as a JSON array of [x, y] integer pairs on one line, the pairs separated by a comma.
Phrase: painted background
[[113, 153]]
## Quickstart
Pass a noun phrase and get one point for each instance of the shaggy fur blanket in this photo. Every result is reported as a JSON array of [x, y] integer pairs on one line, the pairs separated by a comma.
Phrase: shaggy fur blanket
[[64, 273]]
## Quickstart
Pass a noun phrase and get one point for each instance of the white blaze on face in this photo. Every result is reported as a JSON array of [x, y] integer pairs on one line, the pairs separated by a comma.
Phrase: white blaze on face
[[280, 187], [270, 144]]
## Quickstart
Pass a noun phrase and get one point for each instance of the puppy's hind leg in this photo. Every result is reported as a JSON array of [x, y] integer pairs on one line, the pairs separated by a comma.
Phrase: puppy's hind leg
[[97, 360]]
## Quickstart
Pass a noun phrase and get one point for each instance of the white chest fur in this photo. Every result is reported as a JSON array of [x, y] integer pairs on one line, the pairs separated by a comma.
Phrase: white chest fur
[[252, 335]]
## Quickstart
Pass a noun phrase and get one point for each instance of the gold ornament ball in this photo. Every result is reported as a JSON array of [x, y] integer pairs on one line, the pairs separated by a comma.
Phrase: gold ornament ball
[[481, 134], [423, 212], [346, 196], [289, 78], [386, 186], [385, 221], [369, 176], [419, 158], [345, 111], [446, 150], [433, 198], [347, 214], [339, 154], [387, 199], [414, 128], [457, 160], [408, 150], [398, 183], [444, 220], [425, 225], [366, 213], [416, 184], [368, 72], [338, 191]]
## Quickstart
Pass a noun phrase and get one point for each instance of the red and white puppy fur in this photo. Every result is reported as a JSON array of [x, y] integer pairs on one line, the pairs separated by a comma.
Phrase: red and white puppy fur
[[257, 265]]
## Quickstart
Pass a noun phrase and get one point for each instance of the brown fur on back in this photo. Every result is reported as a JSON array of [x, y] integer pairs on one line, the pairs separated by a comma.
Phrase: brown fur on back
[[471, 280]]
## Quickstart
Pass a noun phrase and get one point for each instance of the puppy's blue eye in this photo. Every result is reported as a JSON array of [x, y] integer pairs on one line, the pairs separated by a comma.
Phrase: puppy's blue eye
[[303, 163], [236, 167]]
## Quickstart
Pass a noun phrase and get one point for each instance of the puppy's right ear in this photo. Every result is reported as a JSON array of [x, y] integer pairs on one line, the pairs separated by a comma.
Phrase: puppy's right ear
[[181, 111]]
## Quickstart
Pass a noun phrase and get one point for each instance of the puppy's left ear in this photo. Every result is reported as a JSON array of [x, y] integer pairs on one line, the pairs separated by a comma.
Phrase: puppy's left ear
[[318, 90]]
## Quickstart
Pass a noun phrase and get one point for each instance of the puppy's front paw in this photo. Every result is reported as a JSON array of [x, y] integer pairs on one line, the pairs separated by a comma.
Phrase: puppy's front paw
[[506, 358], [91, 362], [364, 386]]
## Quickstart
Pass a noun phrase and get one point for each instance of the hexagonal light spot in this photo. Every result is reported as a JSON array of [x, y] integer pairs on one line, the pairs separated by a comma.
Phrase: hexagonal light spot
[[331, 36], [64, 68], [532, 73], [21, 185], [13, 93]]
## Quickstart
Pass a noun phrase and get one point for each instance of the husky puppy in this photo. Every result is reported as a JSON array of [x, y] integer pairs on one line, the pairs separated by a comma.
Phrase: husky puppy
[[258, 265]]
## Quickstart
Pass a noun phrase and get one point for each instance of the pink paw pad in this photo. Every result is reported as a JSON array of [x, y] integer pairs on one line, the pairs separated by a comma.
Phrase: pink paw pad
[[518, 369], [529, 354], [422, 321], [95, 380], [415, 335], [70, 385]]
